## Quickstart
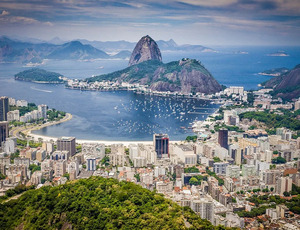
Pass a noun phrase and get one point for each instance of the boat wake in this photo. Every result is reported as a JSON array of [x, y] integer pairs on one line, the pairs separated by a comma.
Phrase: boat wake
[[41, 90]]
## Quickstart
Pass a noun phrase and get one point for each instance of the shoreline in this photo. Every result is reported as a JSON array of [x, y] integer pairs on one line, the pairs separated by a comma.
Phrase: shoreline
[[36, 137], [28, 131]]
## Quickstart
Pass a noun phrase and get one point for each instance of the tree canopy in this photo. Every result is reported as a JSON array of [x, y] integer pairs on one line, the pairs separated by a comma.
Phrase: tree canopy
[[97, 203]]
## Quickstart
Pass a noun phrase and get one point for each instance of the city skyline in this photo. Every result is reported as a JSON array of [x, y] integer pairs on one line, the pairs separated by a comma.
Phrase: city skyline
[[230, 22]]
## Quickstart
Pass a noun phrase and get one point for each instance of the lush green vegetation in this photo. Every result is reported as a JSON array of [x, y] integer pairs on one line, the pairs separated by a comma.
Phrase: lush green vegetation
[[15, 191], [2, 176], [217, 159], [255, 211], [97, 203], [132, 73], [32, 144], [39, 75], [293, 204], [221, 181], [14, 155], [278, 160], [24, 109], [273, 120], [149, 69], [196, 180], [34, 168], [191, 170], [54, 115], [105, 161], [191, 138]]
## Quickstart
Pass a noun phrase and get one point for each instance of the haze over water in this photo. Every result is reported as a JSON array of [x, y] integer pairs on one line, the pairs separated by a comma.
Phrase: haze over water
[[127, 116]]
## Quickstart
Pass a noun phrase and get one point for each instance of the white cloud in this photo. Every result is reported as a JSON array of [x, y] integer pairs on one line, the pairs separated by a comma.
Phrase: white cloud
[[209, 3]]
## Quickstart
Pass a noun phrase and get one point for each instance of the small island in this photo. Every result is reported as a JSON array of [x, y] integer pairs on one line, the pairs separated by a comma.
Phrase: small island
[[274, 72], [40, 76], [279, 54]]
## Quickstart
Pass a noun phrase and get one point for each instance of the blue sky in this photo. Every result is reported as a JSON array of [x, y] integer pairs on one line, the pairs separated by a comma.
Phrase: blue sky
[[205, 22]]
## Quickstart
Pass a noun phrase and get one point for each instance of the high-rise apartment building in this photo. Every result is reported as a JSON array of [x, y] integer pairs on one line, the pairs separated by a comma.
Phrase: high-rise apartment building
[[203, 207], [67, 144], [284, 184], [3, 131], [91, 164], [223, 138], [43, 110], [161, 145], [3, 108]]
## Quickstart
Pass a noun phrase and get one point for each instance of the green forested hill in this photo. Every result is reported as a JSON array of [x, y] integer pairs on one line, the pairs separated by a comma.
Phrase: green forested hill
[[39, 75], [97, 203]]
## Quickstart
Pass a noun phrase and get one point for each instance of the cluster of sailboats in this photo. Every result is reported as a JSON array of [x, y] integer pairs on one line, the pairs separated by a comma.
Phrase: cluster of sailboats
[[154, 114]]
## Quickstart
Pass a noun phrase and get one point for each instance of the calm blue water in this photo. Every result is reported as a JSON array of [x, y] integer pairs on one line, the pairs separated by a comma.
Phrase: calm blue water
[[126, 116]]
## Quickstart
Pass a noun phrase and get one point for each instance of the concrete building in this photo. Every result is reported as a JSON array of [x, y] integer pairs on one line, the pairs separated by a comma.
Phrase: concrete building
[[297, 105], [22, 161], [270, 177], [60, 155], [234, 90], [48, 147], [284, 184], [13, 115], [31, 154], [4, 108], [91, 164], [60, 168], [220, 167], [164, 187], [67, 144], [117, 159], [40, 155], [43, 110], [161, 145], [139, 162], [117, 149], [9, 145], [185, 155], [271, 212], [233, 220], [233, 171], [3, 131], [248, 170], [204, 207], [95, 150], [22, 103]]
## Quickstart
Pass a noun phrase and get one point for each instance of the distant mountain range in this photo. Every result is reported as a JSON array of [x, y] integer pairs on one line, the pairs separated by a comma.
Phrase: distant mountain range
[[113, 46], [15, 50]]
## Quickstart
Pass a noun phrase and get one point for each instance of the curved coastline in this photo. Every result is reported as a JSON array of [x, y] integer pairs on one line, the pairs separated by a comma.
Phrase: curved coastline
[[30, 129], [37, 137]]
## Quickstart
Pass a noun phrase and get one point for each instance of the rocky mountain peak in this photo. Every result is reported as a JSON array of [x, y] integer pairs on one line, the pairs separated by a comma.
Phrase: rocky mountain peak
[[146, 49]]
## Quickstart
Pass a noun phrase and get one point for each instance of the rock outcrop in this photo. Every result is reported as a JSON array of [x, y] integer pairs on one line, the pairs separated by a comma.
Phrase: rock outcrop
[[146, 49]]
